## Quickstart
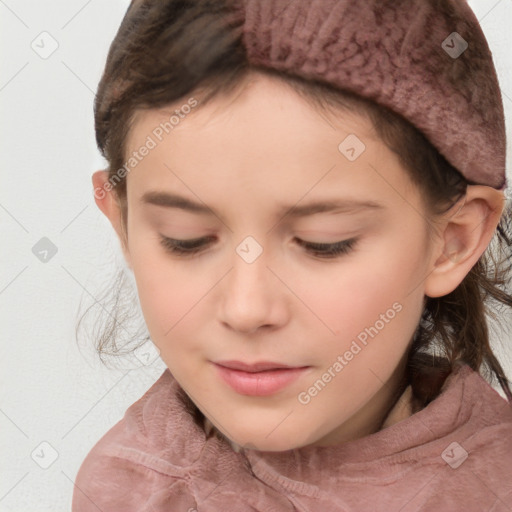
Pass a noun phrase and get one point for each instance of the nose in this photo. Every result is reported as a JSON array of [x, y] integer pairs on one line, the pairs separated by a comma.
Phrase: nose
[[253, 298]]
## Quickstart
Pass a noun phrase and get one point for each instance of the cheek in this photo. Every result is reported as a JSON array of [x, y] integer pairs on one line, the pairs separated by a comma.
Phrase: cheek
[[166, 293], [351, 297]]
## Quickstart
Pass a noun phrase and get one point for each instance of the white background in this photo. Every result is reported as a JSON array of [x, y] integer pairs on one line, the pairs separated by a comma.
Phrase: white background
[[50, 391]]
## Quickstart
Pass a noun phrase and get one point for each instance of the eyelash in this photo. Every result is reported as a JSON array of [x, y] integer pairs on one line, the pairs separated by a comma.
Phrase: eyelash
[[185, 248]]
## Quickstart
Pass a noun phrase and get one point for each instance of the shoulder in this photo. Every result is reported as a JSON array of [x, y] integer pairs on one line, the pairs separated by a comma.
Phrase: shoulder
[[481, 416], [485, 405], [477, 456], [138, 458]]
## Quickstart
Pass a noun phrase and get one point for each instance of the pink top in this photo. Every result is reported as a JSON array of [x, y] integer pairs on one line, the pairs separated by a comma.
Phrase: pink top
[[454, 454]]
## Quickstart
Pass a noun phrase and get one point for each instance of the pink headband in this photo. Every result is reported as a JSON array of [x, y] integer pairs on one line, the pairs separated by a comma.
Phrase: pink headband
[[427, 60]]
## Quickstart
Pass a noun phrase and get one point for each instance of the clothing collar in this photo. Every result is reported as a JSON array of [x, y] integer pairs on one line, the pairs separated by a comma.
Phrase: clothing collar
[[404, 438]]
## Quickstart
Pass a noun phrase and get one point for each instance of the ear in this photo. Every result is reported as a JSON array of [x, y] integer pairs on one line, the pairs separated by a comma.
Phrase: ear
[[108, 203], [465, 233]]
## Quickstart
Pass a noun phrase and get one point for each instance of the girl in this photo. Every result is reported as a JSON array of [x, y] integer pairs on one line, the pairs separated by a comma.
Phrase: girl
[[310, 195]]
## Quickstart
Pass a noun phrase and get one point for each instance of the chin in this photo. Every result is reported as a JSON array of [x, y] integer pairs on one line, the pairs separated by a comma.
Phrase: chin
[[263, 437], [259, 441], [262, 446]]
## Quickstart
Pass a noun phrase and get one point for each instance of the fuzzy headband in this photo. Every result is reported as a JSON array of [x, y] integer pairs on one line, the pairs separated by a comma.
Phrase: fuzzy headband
[[427, 60]]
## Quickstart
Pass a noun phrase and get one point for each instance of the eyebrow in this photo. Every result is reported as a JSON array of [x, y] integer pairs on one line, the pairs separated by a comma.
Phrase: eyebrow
[[169, 200]]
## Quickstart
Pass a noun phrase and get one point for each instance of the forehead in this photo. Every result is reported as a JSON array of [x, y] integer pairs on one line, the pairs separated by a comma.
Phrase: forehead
[[266, 138], [255, 94]]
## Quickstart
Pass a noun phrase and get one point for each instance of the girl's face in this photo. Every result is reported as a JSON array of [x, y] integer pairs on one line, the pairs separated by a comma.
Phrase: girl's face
[[240, 173]]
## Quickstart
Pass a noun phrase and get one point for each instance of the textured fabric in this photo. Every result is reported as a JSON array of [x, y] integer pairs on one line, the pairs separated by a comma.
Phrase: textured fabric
[[156, 459], [402, 54], [427, 60]]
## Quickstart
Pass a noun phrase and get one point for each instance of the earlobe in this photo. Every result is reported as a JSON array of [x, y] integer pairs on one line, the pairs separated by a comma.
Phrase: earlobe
[[102, 195], [107, 202], [464, 237]]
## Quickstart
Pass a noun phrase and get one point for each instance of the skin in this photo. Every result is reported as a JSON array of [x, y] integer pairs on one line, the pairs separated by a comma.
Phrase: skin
[[243, 156]]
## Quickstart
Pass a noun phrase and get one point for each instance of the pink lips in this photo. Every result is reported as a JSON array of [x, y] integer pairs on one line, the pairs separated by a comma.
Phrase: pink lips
[[258, 379]]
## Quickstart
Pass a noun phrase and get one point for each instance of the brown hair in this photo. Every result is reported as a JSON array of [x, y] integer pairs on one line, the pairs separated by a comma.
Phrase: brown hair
[[168, 50]]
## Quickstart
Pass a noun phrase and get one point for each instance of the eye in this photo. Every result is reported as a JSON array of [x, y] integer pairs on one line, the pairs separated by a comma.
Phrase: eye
[[328, 250], [184, 247], [190, 247]]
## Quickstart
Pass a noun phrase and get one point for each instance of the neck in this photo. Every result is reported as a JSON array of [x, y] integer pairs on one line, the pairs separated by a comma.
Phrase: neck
[[372, 416]]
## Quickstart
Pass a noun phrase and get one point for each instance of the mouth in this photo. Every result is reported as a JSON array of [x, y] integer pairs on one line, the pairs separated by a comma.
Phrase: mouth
[[258, 379], [255, 367]]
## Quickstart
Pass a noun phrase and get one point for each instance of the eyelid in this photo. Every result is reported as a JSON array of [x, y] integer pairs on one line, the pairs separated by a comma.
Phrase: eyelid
[[192, 247], [332, 250], [190, 242]]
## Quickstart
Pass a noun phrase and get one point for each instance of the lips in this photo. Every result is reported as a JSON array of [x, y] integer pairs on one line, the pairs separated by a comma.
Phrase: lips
[[258, 379], [254, 367]]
